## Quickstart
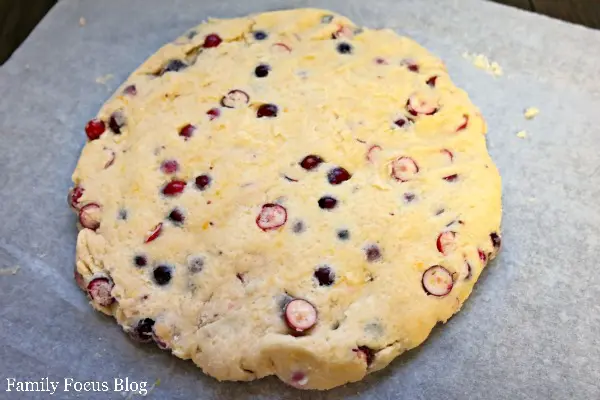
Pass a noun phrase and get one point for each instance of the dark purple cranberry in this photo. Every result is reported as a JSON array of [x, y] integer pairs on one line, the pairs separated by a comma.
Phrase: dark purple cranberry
[[343, 234], [344, 48], [176, 216], [409, 197], [262, 70], [311, 162], [373, 253], [327, 202], [260, 35], [431, 81], [212, 40], [169, 166], [162, 275], [130, 90], [143, 330], [338, 175], [366, 354], [496, 240], [140, 261], [173, 66], [325, 276], [116, 121], [267, 110], [187, 131], [451, 178], [203, 181], [400, 122]]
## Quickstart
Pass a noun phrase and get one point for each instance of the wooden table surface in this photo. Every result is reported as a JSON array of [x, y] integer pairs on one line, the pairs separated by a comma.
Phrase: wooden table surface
[[19, 17]]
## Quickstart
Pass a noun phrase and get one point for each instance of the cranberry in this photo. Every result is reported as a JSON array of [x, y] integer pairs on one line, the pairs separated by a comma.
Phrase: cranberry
[[400, 122], [496, 240], [446, 242], [117, 121], [373, 253], [140, 261], [153, 233], [298, 379], [281, 47], [262, 70], [431, 81], [267, 110], [311, 162], [464, 124], [259, 35], [343, 234], [338, 175], [162, 275], [90, 215], [74, 196], [143, 330], [173, 188], [94, 128], [451, 178], [130, 90], [176, 216], [448, 153], [212, 40], [437, 281], [344, 48], [366, 354], [235, 98], [99, 290], [271, 216], [325, 276], [195, 264], [404, 169], [187, 131], [203, 181], [482, 256], [327, 202], [169, 166], [172, 66], [372, 152], [411, 65], [213, 113], [417, 104], [300, 315], [380, 61]]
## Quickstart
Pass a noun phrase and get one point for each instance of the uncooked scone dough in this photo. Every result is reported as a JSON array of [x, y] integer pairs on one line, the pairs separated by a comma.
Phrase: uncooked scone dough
[[287, 155]]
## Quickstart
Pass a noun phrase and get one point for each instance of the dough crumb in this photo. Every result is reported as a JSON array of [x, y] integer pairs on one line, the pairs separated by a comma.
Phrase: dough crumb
[[483, 62], [522, 134], [9, 271], [82, 21], [531, 112]]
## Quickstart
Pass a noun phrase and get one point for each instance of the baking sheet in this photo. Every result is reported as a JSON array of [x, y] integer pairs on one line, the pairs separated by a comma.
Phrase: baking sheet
[[530, 329]]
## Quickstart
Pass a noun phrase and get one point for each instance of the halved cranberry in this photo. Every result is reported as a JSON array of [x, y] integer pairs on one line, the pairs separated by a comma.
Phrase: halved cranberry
[[100, 289], [464, 124], [130, 90], [404, 169], [111, 157], [176, 216], [153, 233], [365, 353], [327, 202], [281, 47], [373, 253], [89, 216], [174, 65], [74, 196], [140, 261], [169, 166], [300, 315], [417, 104], [446, 242], [187, 131], [324, 275], [262, 70], [451, 178], [466, 272], [311, 162], [94, 128], [344, 48], [431, 81], [496, 240], [212, 40], [174, 188], [235, 98], [162, 275], [437, 281], [482, 256], [338, 175], [267, 110], [271, 216], [203, 181], [372, 152], [298, 379], [143, 330], [213, 113], [117, 121], [448, 153]]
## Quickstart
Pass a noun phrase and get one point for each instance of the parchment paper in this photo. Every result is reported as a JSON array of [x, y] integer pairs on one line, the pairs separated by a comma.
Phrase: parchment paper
[[531, 329]]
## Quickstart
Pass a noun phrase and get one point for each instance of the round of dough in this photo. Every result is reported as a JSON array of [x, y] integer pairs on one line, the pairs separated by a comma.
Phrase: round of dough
[[288, 194]]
